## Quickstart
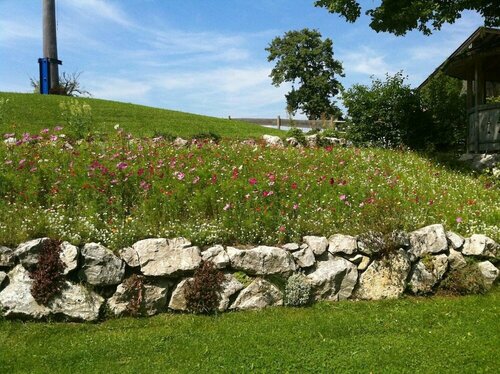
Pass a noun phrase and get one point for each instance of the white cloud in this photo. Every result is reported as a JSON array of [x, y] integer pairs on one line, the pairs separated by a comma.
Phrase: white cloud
[[365, 60], [16, 30], [99, 9]]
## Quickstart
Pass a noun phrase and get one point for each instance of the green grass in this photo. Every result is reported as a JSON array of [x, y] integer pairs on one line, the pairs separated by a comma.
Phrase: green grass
[[33, 112], [413, 335]]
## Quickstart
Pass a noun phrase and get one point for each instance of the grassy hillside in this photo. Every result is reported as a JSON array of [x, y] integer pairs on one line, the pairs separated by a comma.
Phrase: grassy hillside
[[32, 113], [414, 335]]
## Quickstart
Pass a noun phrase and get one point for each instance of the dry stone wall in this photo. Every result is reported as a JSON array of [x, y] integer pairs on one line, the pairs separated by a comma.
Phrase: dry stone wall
[[367, 267]]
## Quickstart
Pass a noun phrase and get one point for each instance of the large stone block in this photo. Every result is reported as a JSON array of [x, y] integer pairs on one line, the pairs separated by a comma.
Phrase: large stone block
[[261, 260], [167, 257]]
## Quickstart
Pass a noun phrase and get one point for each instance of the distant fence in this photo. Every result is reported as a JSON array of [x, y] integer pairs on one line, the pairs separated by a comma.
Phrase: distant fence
[[287, 123]]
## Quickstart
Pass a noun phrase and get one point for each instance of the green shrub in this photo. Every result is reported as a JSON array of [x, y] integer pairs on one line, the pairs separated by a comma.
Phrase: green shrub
[[386, 114], [444, 103], [210, 135], [203, 291], [297, 290], [465, 281], [78, 117], [48, 277], [296, 133], [168, 136]]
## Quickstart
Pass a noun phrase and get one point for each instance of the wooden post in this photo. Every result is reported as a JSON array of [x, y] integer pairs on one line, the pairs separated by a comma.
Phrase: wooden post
[[50, 40], [229, 118], [278, 122], [476, 106]]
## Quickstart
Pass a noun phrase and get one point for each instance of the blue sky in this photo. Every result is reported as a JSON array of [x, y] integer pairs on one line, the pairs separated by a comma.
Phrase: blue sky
[[203, 56]]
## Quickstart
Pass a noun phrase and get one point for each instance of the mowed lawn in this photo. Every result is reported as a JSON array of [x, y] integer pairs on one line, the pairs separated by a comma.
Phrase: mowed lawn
[[32, 113], [413, 335]]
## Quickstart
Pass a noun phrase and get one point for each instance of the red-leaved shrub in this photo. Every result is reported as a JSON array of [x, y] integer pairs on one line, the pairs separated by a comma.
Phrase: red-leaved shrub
[[48, 277], [203, 291]]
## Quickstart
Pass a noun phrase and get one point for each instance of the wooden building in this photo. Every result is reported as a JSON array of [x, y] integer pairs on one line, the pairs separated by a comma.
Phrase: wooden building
[[477, 62]]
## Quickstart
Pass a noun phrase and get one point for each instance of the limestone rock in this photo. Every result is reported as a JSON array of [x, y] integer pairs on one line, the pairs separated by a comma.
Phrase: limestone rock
[[339, 243], [400, 239], [427, 273], [480, 245], [130, 256], [360, 260], [16, 299], [259, 294], [167, 257], [312, 140], [229, 287], [28, 252], [179, 142], [7, 257], [291, 247], [217, 255], [318, 244], [456, 241], [69, 257], [261, 260], [154, 298], [304, 258], [384, 278], [489, 273], [76, 303], [333, 279], [100, 266], [427, 240], [456, 260], [273, 141], [293, 142], [178, 299]]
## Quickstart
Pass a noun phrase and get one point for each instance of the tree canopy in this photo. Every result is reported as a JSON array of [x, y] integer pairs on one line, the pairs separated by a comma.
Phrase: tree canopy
[[401, 16], [304, 59]]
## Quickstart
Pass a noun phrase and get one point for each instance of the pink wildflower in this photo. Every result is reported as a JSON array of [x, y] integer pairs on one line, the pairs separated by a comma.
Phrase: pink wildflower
[[196, 179], [145, 185], [121, 165], [459, 219], [343, 197], [252, 181], [227, 206], [180, 175]]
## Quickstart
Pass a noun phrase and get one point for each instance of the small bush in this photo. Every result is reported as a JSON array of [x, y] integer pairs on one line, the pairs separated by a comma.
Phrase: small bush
[[203, 292], [216, 138], [48, 277], [168, 136], [134, 290], [298, 134], [297, 290], [78, 116], [465, 281], [381, 244]]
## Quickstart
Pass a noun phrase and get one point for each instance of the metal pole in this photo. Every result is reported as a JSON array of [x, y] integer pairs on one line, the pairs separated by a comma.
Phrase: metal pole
[[50, 40]]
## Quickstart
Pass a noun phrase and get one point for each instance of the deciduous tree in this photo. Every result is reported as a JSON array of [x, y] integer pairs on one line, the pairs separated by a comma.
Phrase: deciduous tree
[[305, 60], [401, 16]]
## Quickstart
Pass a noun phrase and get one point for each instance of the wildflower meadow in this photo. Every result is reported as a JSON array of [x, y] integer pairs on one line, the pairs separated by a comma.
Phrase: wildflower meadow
[[122, 189]]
